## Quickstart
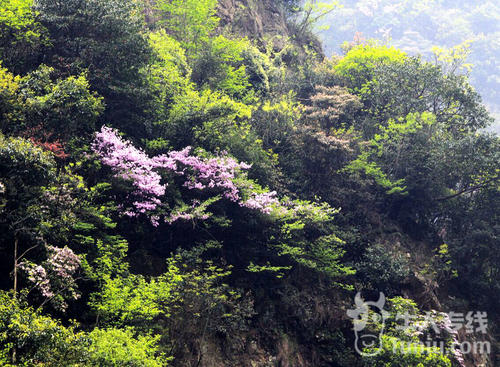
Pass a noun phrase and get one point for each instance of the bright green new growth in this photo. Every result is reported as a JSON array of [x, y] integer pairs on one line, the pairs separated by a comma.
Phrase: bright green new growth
[[387, 146], [191, 21], [17, 14], [358, 64], [41, 340], [398, 353]]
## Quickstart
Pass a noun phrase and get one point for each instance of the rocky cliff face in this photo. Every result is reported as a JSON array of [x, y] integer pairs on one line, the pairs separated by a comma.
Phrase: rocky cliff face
[[267, 21], [255, 19]]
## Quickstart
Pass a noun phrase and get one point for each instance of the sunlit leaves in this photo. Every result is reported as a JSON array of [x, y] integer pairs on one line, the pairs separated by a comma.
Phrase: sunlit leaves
[[358, 65], [191, 21]]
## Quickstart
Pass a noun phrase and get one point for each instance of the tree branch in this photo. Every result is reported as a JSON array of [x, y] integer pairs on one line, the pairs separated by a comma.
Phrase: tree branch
[[467, 190]]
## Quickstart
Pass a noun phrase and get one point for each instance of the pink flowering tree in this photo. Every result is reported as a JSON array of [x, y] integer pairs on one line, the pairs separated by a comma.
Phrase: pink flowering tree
[[219, 178], [222, 176], [54, 279], [133, 165]]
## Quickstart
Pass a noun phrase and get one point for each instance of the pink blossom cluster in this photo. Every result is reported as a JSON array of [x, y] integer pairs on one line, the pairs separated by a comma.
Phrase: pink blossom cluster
[[213, 173], [185, 216], [63, 262], [132, 164], [263, 202], [38, 276], [55, 273]]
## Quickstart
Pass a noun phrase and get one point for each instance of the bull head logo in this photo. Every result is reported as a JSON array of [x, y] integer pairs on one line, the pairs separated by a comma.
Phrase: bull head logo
[[361, 316]]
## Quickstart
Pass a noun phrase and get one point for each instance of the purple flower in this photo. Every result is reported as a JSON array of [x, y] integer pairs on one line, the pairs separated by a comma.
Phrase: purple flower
[[131, 164], [55, 275], [219, 174], [263, 202]]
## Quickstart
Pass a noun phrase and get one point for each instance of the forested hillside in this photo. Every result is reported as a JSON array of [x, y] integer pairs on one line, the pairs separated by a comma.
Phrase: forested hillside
[[419, 26], [193, 183]]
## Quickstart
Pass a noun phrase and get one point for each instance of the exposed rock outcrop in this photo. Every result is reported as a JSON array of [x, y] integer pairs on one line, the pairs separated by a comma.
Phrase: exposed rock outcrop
[[255, 19]]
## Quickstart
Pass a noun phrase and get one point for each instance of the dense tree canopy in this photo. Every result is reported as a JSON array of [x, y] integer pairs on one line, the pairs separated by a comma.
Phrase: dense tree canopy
[[428, 28]]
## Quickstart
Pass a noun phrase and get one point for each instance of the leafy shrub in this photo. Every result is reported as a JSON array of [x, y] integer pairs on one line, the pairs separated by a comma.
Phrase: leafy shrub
[[120, 347], [28, 338], [397, 353], [383, 268], [358, 65]]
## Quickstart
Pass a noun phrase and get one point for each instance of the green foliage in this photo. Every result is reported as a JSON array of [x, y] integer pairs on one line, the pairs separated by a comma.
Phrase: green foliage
[[109, 259], [216, 60], [260, 68], [61, 109], [106, 39], [389, 147], [170, 73], [21, 35], [219, 66], [186, 302], [358, 65], [275, 120], [192, 22], [203, 292], [397, 353], [321, 251], [371, 169], [420, 27], [382, 268], [423, 87], [279, 270], [17, 15], [10, 103], [30, 339], [53, 113], [453, 60], [25, 172], [207, 118], [129, 299], [404, 335], [121, 347], [310, 12], [472, 239], [211, 120], [442, 268]]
